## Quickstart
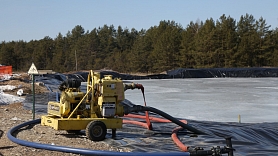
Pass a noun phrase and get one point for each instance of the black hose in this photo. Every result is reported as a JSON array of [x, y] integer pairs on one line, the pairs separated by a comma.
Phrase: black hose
[[139, 108]]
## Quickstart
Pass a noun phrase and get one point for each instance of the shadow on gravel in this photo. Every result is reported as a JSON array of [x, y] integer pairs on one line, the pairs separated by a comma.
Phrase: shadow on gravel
[[73, 135], [1, 133], [22, 129], [79, 134], [6, 147]]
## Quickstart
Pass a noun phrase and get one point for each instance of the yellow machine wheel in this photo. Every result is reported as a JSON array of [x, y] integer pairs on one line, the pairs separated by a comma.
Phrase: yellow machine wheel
[[96, 131]]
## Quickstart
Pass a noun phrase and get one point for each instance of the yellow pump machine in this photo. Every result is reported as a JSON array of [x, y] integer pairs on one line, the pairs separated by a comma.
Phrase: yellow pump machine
[[95, 111]]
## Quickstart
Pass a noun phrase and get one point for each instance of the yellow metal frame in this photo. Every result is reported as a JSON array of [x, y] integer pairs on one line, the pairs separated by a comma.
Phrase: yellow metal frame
[[78, 123]]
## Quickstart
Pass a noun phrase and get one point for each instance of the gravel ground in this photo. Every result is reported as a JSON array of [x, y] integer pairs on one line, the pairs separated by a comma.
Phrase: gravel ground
[[14, 114]]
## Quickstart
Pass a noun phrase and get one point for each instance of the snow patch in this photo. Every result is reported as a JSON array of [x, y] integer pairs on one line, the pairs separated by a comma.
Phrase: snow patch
[[7, 87], [7, 98]]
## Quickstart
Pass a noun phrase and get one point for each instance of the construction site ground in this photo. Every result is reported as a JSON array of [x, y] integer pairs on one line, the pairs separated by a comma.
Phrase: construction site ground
[[14, 114]]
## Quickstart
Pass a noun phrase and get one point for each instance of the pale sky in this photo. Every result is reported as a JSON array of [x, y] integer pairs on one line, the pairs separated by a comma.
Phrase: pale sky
[[34, 19]]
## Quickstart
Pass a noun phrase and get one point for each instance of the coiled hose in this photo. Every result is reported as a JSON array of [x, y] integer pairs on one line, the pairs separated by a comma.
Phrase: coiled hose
[[78, 150]]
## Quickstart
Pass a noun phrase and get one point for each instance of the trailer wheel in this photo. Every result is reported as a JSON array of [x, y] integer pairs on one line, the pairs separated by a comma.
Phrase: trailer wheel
[[96, 131]]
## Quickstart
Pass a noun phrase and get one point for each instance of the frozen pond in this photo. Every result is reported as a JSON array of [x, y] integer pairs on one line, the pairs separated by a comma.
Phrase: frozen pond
[[212, 99]]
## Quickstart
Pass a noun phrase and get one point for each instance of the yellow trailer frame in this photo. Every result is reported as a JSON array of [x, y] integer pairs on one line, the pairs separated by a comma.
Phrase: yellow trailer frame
[[58, 123]]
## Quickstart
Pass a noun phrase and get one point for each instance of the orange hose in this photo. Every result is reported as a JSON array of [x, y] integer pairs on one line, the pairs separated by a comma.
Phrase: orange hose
[[174, 135], [151, 118], [176, 139], [136, 123], [150, 127], [143, 117], [148, 124]]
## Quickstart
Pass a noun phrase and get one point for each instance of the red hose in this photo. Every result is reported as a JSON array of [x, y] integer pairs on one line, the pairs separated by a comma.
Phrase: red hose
[[148, 124], [152, 118], [174, 135], [150, 127], [143, 117], [136, 123], [176, 139]]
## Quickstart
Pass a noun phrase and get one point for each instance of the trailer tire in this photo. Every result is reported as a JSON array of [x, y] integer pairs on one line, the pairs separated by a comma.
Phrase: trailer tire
[[96, 131]]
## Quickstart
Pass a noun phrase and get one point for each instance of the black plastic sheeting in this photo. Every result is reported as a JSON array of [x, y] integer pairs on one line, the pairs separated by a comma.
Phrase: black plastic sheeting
[[177, 73], [193, 73], [223, 72], [249, 139]]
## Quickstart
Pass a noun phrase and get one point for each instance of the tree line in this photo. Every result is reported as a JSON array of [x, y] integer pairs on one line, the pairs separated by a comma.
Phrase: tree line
[[223, 43]]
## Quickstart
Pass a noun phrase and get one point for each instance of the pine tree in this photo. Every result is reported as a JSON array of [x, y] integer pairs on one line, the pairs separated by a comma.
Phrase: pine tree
[[166, 43], [227, 41]]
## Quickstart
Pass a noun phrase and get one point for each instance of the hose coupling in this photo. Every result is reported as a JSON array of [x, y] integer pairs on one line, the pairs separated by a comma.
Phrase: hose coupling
[[135, 108], [133, 86]]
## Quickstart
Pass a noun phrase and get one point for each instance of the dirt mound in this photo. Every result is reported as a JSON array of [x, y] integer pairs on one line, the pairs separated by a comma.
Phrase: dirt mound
[[23, 82]]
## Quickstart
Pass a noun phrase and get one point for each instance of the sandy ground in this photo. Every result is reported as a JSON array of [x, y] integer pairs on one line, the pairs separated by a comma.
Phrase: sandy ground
[[14, 114]]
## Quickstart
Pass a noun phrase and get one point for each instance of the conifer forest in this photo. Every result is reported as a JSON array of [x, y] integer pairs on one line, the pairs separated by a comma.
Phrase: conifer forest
[[221, 43]]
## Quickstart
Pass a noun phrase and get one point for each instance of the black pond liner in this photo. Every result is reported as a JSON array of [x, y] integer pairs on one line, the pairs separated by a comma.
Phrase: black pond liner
[[248, 139]]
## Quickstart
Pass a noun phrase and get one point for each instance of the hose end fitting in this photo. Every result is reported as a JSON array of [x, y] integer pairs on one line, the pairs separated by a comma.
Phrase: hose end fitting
[[133, 86], [135, 108]]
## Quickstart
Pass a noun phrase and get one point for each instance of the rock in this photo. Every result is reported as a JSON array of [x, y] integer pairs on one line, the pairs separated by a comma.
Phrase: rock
[[39, 83], [19, 92], [15, 119]]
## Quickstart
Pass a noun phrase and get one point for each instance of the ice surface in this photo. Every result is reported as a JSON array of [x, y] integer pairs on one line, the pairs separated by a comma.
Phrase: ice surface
[[212, 99]]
